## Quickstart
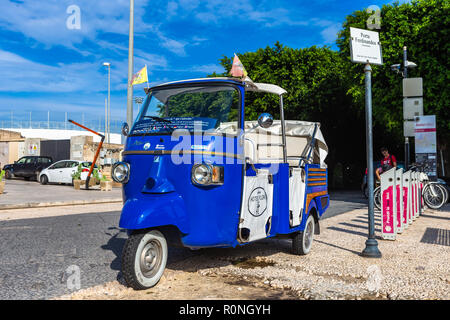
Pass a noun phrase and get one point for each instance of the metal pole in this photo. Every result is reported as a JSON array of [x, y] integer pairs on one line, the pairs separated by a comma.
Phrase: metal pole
[[283, 129], [405, 75], [371, 249], [106, 117], [109, 102], [130, 66]]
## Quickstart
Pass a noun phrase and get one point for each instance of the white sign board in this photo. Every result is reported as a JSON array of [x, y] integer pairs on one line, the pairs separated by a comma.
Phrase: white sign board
[[425, 134], [365, 46]]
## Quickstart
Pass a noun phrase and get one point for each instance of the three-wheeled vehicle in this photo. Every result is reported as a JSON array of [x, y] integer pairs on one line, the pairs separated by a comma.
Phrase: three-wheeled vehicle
[[196, 173]]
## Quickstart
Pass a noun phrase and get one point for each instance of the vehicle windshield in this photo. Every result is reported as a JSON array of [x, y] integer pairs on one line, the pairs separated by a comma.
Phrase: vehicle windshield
[[188, 107]]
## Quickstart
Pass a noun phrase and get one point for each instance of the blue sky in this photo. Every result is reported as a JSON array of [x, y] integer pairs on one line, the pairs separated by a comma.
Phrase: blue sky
[[47, 66]]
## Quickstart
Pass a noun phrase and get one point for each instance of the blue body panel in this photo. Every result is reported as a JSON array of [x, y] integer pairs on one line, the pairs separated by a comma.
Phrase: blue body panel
[[160, 192]]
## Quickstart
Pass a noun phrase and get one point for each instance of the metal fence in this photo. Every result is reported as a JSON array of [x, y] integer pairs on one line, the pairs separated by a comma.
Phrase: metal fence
[[46, 120]]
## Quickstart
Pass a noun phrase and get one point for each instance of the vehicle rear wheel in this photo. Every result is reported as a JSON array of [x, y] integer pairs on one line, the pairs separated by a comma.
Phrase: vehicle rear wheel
[[144, 259], [44, 179], [302, 241]]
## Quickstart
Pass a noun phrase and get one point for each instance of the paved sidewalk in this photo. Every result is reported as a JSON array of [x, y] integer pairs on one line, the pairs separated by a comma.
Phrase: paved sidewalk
[[415, 266], [19, 194]]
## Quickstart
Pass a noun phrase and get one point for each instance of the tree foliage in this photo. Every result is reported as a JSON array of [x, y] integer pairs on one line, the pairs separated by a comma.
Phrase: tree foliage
[[323, 85], [423, 27]]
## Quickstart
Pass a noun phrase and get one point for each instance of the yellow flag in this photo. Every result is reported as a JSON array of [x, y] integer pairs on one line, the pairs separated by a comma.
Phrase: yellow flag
[[140, 77]]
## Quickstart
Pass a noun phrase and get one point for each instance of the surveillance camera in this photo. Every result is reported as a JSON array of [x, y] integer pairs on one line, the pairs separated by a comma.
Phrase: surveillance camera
[[395, 67]]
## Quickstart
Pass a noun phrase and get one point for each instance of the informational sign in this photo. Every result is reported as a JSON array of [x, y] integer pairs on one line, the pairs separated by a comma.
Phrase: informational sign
[[425, 143], [365, 46]]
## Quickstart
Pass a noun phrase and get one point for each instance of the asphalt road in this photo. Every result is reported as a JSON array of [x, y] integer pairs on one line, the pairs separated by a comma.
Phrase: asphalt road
[[37, 256]]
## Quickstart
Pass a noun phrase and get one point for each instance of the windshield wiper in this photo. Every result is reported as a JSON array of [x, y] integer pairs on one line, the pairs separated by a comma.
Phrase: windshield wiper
[[157, 119]]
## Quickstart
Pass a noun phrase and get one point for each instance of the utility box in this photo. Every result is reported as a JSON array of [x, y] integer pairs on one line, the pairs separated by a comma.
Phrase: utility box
[[412, 107], [412, 87], [409, 128]]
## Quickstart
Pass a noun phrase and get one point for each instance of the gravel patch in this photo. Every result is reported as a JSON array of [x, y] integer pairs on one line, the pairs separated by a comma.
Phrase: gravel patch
[[409, 268]]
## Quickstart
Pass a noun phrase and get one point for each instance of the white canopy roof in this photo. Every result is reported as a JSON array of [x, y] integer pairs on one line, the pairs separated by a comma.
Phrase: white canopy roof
[[249, 85]]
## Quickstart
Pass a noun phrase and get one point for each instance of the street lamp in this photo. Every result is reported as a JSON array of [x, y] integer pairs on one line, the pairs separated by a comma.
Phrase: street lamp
[[130, 65], [108, 108]]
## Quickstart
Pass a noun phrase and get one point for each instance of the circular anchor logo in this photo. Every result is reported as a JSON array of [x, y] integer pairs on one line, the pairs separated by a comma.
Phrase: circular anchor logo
[[257, 202]]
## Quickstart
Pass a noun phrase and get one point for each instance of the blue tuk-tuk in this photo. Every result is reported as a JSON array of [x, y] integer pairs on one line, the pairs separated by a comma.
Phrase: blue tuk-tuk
[[196, 172]]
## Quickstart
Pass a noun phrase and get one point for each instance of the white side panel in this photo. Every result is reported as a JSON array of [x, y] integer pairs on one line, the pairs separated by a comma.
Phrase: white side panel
[[297, 187], [388, 205], [399, 199], [257, 206]]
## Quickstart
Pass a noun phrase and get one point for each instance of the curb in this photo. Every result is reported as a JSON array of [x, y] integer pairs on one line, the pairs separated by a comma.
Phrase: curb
[[57, 203]]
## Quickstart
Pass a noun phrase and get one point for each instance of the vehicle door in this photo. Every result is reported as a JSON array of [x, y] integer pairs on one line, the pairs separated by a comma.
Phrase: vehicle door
[[55, 171], [68, 170], [28, 168], [18, 166]]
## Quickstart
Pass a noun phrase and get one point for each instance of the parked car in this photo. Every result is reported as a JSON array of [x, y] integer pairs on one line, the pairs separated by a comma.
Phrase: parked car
[[27, 167], [61, 171], [376, 164]]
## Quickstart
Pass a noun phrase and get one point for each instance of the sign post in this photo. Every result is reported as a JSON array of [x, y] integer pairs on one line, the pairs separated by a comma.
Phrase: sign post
[[365, 48]]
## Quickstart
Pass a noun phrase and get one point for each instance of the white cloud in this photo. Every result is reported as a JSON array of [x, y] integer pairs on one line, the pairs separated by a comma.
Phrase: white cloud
[[23, 75], [45, 22], [329, 34]]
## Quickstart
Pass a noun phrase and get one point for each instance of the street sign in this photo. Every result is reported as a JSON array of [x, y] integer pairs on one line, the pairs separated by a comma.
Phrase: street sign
[[425, 134], [426, 147], [365, 46]]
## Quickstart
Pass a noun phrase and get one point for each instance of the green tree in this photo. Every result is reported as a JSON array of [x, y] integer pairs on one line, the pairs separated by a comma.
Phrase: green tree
[[316, 82], [423, 26]]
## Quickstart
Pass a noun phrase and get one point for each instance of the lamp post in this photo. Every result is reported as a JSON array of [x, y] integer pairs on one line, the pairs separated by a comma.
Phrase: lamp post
[[108, 110], [398, 68], [130, 66], [371, 250]]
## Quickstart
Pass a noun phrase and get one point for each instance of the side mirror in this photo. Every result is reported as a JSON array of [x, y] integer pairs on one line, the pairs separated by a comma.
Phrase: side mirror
[[125, 129], [265, 120]]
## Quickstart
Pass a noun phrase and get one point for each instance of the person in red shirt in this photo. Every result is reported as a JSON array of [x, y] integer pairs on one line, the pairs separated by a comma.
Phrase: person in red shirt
[[387, 162]]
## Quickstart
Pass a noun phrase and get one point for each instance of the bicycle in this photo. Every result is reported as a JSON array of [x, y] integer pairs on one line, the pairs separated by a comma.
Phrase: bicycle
[[434, 194]]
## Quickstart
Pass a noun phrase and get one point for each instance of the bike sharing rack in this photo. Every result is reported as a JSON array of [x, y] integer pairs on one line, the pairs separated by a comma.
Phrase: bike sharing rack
[[388, 205], [399, 198], [401, 201]]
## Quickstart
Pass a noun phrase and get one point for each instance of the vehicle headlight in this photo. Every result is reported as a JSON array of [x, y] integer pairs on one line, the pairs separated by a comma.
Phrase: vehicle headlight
[[120, 172], [205, 174]]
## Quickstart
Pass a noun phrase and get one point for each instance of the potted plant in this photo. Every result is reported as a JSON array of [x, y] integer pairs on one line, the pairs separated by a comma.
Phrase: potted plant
[[105, 184], [2, 181], [76, 178]]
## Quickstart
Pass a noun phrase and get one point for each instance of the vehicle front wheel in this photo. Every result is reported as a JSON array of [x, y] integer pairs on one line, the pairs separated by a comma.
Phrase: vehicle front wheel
[[8, 174], [302, 241], [44, 179], [144, 259]]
